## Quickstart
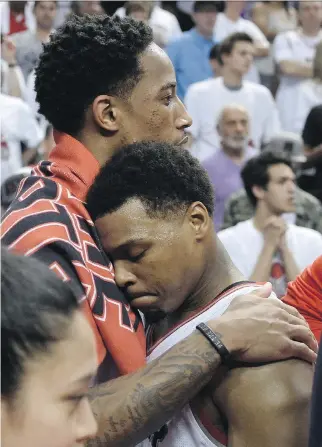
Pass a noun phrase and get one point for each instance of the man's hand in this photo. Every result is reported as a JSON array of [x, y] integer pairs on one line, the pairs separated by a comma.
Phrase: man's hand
[[263, 330], [274, 230]]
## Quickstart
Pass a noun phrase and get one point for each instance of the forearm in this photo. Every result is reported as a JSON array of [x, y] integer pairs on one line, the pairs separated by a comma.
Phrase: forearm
[[132, 407], [292, 68], [261, 50], [15, 85], [291, 268], [262, 270]]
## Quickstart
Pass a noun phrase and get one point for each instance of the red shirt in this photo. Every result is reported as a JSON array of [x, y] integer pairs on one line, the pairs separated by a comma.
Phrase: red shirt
[[48, 219], [17, 23], [305, 294]]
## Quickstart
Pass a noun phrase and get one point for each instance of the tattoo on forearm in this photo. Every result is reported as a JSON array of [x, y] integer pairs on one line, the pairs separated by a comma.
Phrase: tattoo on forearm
[[131, 408]]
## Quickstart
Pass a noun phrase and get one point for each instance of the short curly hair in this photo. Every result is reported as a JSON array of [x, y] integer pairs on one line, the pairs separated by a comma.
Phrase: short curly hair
[[86, 57], [166, 178]]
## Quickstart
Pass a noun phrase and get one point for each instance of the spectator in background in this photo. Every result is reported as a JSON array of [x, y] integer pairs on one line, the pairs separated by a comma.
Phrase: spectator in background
[[86, 7], [190, 52], [266, 248], [48, 359], [230, 22], [29, 43], [215, 60], [15, 17], [294, 53], [141, 10], [225, 165], [272, 18], [309, 92], [310, 176], [164, 24], [13, 83], [17, 126], [205, 100]]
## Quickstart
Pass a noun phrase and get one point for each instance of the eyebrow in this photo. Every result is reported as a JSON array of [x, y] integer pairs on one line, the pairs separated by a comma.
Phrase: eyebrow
[[168, 86]]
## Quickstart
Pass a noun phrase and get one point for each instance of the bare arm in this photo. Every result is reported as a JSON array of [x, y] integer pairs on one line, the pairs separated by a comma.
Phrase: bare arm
[[131, 408], [261, 50], [268, 405], [291, 268], [15, 81], [262, 270], [294, 68], [28, 155]]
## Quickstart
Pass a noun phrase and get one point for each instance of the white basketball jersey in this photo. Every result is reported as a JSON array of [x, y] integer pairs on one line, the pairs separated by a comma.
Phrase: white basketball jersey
[[183, 430]]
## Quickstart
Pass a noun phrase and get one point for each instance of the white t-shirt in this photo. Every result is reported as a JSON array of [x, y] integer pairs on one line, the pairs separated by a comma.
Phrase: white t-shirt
[[17, 125], [309, 95], [161, 21], [292, 46], [205, 100], [244, 243], [224, 27]]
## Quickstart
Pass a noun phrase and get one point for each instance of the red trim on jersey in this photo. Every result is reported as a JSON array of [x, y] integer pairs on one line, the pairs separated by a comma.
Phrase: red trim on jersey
[[217, 434], [199, 312]]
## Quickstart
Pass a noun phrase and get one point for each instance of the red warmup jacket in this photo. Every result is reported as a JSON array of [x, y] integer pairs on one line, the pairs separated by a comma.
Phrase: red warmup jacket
[[48, 219], [305, 294]]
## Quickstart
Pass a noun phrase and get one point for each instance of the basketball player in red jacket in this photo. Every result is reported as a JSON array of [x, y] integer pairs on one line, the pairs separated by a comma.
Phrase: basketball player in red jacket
[[153, 205]]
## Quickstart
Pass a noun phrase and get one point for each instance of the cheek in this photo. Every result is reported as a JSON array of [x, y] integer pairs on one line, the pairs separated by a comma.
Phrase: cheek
[[43, 426]]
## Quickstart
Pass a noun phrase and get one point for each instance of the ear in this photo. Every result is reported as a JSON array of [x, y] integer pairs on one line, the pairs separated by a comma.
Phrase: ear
[[258, 192], [106, 113], [199, 220]]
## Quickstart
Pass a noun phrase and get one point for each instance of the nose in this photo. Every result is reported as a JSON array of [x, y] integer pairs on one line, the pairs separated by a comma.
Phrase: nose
[[123, 275], [87, 425], [183, 119]]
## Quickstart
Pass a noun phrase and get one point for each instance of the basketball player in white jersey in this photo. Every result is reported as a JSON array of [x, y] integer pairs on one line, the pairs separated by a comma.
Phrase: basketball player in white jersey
[[153, 207]]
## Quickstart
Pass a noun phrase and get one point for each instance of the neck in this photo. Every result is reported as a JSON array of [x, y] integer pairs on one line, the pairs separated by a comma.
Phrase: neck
[[262, 213], [311, 32], [231, 13], [219, 274], [101, 147], [43, 34], [232, 79], [204, 33], [235, 154]]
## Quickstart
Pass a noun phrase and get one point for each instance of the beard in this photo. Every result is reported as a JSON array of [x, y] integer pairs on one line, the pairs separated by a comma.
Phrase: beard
[[154, 316], [235, 144]]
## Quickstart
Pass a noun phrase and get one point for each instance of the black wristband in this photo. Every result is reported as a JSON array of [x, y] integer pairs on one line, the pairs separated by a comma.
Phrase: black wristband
[[13, 65], [216, 342]]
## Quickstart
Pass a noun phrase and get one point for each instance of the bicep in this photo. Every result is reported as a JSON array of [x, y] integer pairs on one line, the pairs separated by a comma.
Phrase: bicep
[[267, 405]]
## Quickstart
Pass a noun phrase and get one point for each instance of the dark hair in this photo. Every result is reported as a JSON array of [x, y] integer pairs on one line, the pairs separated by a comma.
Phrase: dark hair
[[214, 53], [227, 45], [86, 57], [205, 6], [164, 177], [36, 307], [255, 172], [36, 3], [312, 134]]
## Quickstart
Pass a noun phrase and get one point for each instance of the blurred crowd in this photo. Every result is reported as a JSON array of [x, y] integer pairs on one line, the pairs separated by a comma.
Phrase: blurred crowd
[[250, 76]]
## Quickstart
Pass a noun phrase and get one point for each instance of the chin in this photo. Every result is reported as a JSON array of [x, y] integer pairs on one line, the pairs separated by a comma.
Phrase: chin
[[153, 316]]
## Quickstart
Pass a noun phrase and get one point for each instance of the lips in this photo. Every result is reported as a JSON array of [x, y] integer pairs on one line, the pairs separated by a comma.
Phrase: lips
[[144, 302]]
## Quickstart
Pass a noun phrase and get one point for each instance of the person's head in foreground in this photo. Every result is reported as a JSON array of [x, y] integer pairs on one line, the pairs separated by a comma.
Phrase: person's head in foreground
[[269, 182], [237, 54], [48, 358], [105, 82], [233, 129], [153, 205]]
